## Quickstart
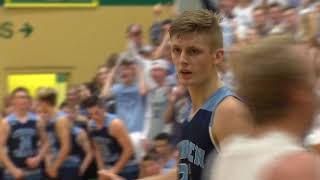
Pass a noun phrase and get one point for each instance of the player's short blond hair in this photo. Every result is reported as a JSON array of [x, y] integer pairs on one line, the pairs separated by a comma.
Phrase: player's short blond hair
[[201, 22], [48, 95]]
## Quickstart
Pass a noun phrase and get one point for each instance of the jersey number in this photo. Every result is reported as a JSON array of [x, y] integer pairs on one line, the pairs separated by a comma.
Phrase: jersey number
[[104, 152], [25, 147]]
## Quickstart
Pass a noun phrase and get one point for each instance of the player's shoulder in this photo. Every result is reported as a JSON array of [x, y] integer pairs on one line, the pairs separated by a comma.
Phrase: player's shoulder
[[231, 117], [116, 123], [231, 104], [5, 121], [77, 130], [9, 120], [297, 166], [63, 121]]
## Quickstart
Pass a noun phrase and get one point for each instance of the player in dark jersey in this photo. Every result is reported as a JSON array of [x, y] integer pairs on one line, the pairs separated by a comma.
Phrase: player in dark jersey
[[114, 150], [22, 140], [196, 49], [81, 149], [62, 160], [81, 144]]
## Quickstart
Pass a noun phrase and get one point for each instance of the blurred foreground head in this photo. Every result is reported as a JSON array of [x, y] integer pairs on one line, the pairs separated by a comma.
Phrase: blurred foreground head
[[276, 79]]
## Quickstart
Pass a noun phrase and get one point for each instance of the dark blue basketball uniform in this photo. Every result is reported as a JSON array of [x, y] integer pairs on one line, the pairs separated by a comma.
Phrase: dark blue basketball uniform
[[110, 148], [91, 172], [22, 143], [197, 143], [70, 167]]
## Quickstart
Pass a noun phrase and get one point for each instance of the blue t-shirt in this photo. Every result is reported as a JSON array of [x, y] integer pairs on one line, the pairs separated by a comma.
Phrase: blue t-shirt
[[130, 106]]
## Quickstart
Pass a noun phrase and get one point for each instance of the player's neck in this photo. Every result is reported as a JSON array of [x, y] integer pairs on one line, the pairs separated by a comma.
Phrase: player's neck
[[201, 93], [21, 114], [100, 121], [52, 112]]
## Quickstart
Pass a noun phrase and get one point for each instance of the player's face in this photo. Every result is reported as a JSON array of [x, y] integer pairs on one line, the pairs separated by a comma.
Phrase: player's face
[[194, 59], [43, 110], [21, 101], [96, 113]]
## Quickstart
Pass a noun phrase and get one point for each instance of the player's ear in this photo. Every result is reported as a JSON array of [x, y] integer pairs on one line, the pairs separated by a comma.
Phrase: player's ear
[[217, 56]]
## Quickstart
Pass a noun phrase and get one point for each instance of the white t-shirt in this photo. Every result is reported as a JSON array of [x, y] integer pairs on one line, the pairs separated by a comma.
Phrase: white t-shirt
[[243, 16], [245, 158]]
